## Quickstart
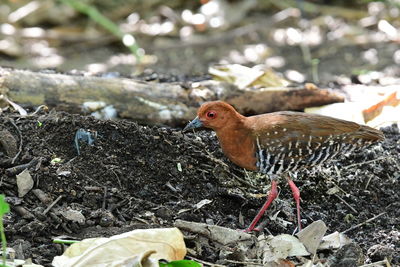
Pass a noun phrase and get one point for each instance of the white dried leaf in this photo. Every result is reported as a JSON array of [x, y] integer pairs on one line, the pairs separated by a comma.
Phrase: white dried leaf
[[334, 241], [24, 183], [135, 248], [282, 246], [311, 236], [202, 203], [73, 215]]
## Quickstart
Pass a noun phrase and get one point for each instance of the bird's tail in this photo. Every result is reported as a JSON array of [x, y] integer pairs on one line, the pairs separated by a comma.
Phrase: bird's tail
[[370, 134]]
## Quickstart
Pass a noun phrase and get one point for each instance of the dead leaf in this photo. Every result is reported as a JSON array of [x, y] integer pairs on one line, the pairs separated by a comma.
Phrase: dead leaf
[[350, 111], [274, 248], [311, 236], [202, 203], [334, 241], [143, 247], [73, 215], [219, 234], [17, 107], [244, 77]]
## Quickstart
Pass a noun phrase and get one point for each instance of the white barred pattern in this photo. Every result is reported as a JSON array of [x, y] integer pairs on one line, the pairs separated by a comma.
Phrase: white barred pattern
[[276, 157]]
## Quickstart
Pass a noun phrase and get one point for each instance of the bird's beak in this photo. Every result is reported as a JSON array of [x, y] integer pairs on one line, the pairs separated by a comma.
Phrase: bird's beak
[[196, 123]]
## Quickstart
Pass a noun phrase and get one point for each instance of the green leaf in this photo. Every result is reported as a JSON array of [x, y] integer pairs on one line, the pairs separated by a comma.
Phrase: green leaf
[[181, 263], [4, 207]]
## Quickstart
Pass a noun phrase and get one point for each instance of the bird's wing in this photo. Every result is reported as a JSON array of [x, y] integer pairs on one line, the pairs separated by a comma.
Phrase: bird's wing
[[290, 140]]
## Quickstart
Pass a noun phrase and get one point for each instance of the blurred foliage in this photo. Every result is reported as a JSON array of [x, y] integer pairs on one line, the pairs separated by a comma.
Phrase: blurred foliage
[[96, 16], [188, 35]]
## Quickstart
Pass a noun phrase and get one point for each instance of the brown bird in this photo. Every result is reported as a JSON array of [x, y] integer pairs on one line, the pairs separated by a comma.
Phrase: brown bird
[[281, 143]]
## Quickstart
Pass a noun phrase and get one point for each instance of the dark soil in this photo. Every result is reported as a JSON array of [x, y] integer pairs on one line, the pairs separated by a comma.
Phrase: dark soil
[[140, 177]]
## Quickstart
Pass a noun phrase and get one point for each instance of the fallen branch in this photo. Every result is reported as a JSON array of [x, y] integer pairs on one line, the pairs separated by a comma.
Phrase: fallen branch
[[150, 102], [52, 205], [367, 221], [20, 141]]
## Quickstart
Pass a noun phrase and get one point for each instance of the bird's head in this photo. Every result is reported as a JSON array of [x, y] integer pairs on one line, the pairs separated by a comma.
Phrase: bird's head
[[214, 115]]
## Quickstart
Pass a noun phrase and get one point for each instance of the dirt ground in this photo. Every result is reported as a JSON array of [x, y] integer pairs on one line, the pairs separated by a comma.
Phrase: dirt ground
[[140, 177]]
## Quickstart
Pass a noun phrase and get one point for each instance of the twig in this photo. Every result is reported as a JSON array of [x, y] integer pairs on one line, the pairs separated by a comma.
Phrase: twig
[[226, 167], [111, 208], [369, 180], [65, 241], [116, 175], [17, 169], [365, 162], [205, 262], [341, 199], [243, 181], [37, 110], [246, 263], [367, 221], [338, 173], [347, 204], [220, 162], [341, 189], [93, 188], [51, 205], [385, 262], [20, 140], [262, 224], [103, 205], [141, 220]]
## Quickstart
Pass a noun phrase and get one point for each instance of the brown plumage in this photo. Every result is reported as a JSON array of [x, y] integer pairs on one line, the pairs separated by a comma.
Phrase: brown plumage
[[281, 142]]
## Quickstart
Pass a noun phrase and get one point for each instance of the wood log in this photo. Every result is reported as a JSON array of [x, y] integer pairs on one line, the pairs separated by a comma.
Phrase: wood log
[[146, 102], [264, 100], [149, 102]]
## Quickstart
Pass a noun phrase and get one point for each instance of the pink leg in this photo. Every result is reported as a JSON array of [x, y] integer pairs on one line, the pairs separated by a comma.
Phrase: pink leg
[[271, 196], [296, 196]]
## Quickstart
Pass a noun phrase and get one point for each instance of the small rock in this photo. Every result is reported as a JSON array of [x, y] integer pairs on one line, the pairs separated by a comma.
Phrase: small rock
[[34, 226], [22, 248], [8, 143], [24, 183], [64, 173], [24, 213], [107, 219], [210, 221], [164, 213], [349, 255], [90, 223], [380, 252], [42, 196], [38, 212], [392, 129]]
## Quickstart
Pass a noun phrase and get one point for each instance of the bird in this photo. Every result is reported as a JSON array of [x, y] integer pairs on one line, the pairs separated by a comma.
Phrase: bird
[[280, 144]]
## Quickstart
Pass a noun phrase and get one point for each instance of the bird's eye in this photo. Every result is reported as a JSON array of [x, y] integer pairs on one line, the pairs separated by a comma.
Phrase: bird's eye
[[211, 114]]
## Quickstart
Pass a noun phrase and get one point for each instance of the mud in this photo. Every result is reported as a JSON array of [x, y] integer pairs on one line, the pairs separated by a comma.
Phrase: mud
[[140, 177]]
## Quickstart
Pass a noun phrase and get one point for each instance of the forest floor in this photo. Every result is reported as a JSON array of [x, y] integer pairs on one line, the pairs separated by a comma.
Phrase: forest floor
[[144, 177], [136, 176]]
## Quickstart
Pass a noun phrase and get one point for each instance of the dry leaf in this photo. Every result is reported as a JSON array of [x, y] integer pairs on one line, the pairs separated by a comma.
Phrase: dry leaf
[[244, 77], [140, 247], [311, 236], [278, 247], [334, 241]]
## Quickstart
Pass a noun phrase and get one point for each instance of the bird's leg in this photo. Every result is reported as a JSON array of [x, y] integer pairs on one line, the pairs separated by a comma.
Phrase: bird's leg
[[296, 196], [273, 193]]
